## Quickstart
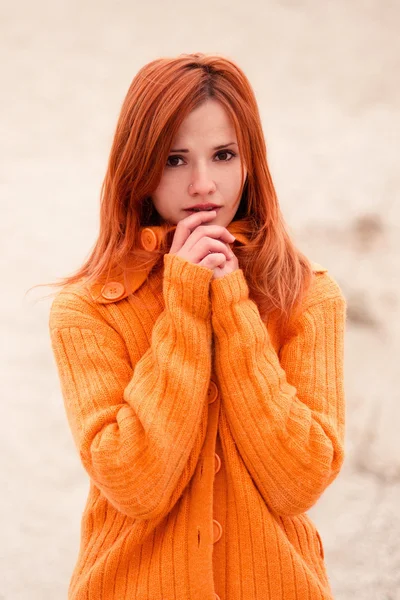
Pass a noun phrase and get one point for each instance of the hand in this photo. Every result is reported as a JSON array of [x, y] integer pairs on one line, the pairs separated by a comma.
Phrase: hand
[[204, 245], [229, 265]]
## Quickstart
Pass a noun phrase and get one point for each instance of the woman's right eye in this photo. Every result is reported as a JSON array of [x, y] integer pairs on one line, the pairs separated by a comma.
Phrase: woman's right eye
[[173, 158]]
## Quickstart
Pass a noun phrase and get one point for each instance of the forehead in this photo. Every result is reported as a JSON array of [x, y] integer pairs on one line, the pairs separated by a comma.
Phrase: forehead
[[208, 121]]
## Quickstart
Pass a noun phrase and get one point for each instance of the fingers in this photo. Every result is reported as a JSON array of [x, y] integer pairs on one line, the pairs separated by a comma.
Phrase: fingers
[[209, 233], [185, 227], [191, 227], [197, 240], [206, 245], [211, 261]]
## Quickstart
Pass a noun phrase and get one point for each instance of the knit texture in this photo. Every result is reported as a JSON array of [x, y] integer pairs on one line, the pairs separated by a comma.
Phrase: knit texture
[[153, 394]]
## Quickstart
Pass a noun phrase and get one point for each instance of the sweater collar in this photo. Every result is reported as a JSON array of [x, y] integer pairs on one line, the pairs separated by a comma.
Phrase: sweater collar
[[120, 284]]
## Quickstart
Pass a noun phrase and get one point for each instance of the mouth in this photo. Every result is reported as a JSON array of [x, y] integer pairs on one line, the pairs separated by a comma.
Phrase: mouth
[[202, 209]]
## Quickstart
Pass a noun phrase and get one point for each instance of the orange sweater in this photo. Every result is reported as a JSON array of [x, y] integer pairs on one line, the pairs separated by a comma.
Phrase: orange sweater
[[202, 465]]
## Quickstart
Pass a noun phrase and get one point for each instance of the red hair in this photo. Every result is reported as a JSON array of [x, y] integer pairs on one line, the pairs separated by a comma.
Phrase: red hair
[[159, 98]]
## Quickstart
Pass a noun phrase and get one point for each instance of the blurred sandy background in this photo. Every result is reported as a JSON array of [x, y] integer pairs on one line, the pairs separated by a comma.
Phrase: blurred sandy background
[[326, 75]]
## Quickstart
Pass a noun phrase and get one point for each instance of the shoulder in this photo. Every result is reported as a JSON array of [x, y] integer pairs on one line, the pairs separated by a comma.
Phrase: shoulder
[[317, 268], [323, 305], [72, 306], [322, 301], [323, 287]]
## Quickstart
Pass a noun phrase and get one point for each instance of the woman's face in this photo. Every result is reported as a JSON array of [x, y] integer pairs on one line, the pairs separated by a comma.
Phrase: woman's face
[[203, 167]]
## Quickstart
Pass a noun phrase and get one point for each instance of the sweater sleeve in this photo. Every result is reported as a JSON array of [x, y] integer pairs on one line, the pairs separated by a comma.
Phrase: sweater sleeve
[[138, 429], [286, 412]]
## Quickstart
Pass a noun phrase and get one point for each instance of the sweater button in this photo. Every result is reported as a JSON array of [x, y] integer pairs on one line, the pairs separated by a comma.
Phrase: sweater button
[[113, 290], [148, 239], [212, 392], [217, 531], [217, 463]]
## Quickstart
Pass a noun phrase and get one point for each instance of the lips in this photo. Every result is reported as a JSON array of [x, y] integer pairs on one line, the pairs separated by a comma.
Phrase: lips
[[199, 207]]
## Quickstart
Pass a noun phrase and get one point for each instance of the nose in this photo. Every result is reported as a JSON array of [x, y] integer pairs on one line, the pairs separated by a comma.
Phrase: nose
[[201, 184]]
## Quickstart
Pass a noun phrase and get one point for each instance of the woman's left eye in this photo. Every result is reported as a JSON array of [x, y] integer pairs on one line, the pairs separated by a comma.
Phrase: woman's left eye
[[226, 153]]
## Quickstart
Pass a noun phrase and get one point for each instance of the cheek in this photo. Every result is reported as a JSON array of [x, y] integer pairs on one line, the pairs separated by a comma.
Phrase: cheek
[[160, 195], [167, 186], [232, 183]]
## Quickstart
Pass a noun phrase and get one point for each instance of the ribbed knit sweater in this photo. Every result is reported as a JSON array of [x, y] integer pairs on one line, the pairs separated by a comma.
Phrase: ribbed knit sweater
[[206, 433]]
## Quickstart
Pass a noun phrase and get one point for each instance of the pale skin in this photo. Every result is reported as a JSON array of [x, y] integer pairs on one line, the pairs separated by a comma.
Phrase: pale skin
[[204, 166]]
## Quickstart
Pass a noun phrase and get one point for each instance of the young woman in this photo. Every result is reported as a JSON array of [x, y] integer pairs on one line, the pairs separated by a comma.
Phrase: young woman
[[200, 356]]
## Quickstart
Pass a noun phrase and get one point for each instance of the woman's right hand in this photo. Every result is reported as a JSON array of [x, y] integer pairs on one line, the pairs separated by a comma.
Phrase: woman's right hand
[[204, 245]]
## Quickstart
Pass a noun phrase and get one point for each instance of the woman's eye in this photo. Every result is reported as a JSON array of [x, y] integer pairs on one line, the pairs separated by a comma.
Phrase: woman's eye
[[225, 153], [223, 156], [171, 159]]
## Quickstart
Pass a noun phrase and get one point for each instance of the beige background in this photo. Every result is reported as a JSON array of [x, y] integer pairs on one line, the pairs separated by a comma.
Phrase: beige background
[[326, 75]]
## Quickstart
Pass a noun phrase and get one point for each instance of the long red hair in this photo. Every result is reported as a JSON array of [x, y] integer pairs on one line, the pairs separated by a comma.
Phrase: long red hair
[[159, 98]]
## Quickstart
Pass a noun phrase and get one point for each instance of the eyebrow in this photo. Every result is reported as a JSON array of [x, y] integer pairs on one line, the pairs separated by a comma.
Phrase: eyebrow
[[216, 147]]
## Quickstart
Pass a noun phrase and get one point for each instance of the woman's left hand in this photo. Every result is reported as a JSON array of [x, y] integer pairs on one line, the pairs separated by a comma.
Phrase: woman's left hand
[[230, 265]]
